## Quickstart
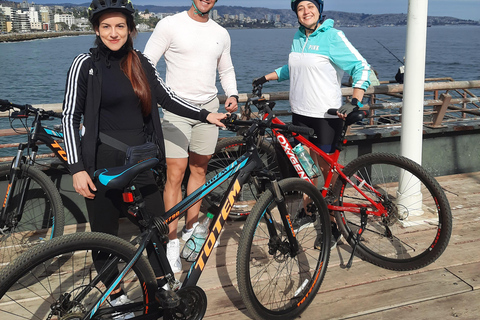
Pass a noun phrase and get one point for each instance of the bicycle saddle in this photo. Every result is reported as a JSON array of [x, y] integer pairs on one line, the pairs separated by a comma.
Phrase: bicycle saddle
[[119, 177]]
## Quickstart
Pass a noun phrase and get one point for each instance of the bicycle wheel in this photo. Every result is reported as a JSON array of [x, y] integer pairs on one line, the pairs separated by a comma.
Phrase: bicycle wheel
[[41, 219], [273, 282], [54, 280], [419, 222], [226, 152]]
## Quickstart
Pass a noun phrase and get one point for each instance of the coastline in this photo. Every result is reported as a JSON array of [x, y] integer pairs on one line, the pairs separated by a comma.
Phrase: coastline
[[15, 37]]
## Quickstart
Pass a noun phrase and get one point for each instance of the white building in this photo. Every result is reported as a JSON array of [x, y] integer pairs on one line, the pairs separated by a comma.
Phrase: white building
[[7, 11], [20, 20], [33, 15], [68, 19], [215, 15], [36, 26]]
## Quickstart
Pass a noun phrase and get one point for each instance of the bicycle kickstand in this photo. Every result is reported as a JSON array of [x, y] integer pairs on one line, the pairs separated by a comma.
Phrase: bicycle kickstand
[[363, 225]]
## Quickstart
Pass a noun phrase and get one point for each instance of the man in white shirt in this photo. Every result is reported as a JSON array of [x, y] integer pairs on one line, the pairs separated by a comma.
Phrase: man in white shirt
[[194, 48]]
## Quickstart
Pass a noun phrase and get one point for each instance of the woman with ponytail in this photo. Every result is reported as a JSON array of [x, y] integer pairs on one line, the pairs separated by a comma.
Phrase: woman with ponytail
[[113, 91]]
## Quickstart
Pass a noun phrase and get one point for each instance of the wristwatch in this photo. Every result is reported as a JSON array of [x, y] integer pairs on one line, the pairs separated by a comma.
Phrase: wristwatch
[[357, 103], [234, 96]]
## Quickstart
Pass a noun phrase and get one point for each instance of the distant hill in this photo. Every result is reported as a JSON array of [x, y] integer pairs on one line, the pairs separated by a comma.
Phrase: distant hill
[[341, 18], [288, 16]]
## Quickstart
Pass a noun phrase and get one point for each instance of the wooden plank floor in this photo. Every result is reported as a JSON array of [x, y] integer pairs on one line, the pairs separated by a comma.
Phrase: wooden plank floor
[[448, 288]]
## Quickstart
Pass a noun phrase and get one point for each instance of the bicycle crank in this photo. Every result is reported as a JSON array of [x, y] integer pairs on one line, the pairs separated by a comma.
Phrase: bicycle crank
[[193, 305]]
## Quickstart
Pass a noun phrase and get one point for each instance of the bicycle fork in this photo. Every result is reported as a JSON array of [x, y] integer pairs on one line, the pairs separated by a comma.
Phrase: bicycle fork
[[10, 220], [275, 241]]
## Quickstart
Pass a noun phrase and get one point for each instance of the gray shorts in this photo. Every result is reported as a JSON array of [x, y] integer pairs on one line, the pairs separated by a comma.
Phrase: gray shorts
[[183, 135]]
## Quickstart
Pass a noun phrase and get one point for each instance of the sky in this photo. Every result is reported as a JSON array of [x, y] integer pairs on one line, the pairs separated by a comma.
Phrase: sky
[[463, 9]]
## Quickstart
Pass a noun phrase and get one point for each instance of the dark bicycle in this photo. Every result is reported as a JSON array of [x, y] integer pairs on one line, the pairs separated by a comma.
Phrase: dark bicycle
[[32, 210], [279, 268]]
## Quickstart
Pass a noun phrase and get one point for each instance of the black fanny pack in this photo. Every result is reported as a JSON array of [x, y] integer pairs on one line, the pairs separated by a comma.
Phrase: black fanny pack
[[133, 154]]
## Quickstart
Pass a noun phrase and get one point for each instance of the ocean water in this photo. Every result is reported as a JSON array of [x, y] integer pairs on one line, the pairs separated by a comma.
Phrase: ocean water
[[35, 71]]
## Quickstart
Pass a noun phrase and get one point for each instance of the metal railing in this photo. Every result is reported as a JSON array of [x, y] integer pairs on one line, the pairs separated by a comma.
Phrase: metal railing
[[446, 102]]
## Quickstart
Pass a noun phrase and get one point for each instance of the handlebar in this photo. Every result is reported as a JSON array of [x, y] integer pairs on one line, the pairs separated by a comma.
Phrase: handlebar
[[231, 122], [26, 109], [352, 117]]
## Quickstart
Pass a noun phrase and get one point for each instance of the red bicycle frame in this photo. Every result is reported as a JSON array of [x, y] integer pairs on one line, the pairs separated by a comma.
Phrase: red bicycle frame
[[374, 208]]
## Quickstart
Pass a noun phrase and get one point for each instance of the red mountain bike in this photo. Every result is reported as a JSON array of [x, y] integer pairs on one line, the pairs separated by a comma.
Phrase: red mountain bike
[[391, 211]]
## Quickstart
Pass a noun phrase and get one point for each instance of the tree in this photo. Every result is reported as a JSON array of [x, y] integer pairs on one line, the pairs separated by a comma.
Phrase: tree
[[61, 26]]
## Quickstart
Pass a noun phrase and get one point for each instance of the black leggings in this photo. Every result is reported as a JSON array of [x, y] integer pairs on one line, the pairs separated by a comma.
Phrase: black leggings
[[327, 130], [108, 206]]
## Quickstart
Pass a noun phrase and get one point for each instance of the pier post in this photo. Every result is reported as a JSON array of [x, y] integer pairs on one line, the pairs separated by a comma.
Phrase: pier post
[[412, 113]]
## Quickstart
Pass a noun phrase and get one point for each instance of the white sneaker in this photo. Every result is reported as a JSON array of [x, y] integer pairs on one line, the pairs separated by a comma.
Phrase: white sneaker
[[121, 301], [186, 233], [173, 255]]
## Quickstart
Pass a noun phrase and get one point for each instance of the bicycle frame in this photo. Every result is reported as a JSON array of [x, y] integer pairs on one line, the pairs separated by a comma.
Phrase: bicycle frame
[[240, 170], [37, 133], [45, 135], [335, 168]]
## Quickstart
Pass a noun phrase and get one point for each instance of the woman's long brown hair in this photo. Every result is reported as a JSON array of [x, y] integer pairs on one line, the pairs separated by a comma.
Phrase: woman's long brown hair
[[132, 67]]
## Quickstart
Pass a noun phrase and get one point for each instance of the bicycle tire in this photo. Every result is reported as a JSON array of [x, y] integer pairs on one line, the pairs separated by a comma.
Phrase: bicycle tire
[[404, 240], [42, 217], [275, 285], [67, 267], [226, 152]]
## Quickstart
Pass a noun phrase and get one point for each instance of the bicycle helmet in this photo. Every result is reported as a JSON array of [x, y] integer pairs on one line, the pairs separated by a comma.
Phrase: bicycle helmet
[[99, 6], [318, 3]]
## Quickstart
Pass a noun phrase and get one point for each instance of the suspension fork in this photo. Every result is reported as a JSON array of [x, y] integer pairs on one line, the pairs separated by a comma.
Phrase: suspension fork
[[15, 173], [282, 208]]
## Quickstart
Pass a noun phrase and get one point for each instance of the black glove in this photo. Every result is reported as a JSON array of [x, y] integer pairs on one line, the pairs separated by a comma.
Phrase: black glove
[[259, 81], [348, 107]]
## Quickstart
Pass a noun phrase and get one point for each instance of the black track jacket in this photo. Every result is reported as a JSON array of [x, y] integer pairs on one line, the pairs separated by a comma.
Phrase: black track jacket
[[83, 96]]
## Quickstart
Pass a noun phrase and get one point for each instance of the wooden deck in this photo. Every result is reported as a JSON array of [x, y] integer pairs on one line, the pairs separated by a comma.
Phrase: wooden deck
[[448, 288]]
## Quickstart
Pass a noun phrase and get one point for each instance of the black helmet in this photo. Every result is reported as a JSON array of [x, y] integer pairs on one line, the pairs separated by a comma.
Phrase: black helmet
[[318, 3], [98, 6]]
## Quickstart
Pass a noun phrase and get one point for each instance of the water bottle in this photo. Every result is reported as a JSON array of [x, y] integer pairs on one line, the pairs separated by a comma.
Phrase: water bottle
[[306, 161], [195, 242]]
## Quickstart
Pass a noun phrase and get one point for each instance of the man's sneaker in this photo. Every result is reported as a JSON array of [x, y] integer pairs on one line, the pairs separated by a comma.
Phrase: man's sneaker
[[187, 233], [121, 301], [173, 255], [303, 221], [336, 236]]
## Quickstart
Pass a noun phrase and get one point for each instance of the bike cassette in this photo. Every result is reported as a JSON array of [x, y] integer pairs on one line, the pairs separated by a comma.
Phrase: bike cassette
[[193, 305]]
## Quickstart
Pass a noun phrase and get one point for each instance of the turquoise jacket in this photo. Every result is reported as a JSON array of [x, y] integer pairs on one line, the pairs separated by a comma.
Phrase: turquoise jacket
[[316, 66]]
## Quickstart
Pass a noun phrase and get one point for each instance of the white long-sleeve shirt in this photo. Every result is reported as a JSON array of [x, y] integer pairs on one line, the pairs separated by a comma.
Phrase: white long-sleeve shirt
[[193, 51]]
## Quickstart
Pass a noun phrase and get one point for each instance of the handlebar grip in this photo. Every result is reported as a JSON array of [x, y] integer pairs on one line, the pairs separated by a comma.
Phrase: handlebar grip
[[55, 114], [332, 112], [229, 119], [301, 130], [366, 112]]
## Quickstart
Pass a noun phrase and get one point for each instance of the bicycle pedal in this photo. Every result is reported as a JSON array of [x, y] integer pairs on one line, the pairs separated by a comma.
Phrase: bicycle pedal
[[167, 299]]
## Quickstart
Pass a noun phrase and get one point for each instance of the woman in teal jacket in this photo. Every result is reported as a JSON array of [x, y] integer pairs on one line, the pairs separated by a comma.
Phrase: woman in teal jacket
[[319, 56]]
